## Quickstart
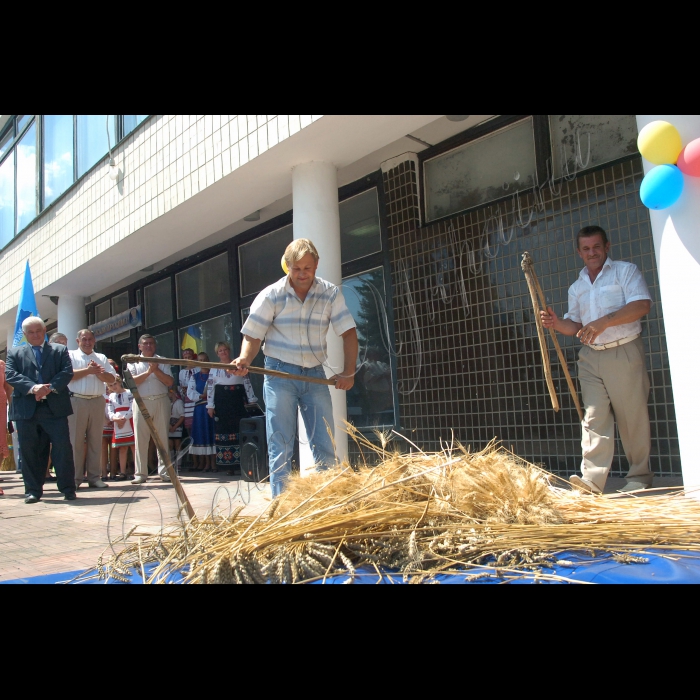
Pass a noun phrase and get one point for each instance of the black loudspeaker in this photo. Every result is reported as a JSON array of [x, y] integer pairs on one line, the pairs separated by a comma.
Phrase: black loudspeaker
[[253, 442]]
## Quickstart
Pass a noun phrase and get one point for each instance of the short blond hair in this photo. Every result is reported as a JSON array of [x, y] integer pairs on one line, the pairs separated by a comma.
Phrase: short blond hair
[[296, 250], [222, 344]]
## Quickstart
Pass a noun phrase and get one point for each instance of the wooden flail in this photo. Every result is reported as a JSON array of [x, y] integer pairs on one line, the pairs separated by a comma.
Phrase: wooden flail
[[539, 304]]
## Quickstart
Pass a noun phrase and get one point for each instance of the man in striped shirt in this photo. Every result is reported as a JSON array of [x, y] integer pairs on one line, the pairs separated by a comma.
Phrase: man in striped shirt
[[292, 316]]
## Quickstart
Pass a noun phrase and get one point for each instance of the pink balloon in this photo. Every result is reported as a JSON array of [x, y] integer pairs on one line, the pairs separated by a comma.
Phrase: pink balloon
[[689, 159]]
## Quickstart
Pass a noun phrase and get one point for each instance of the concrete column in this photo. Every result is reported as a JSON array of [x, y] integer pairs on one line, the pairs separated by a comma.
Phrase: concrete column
[[71, 318], [316, 217], [676, 233]]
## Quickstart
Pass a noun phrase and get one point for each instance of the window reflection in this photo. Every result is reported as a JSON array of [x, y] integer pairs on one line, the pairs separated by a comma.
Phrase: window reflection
[[203, 337], [131, 121], [159, 303], [203, 286], [26, 178], [480, 171], [92, 139], [7, 200], [359, 226], [260, 260], [371, 400], [58, 155]]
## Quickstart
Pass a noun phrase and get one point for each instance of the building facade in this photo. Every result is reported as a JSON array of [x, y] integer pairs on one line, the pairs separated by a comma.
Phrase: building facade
[[177, 225]]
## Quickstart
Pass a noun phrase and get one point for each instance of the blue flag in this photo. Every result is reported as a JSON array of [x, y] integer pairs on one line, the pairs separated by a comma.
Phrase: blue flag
[[27, 307]]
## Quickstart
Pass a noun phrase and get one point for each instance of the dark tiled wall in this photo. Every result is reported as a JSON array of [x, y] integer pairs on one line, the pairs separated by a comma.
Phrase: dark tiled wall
[[469, 362]]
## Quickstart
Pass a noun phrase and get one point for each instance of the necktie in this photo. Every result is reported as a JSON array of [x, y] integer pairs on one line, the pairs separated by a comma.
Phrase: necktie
[[37, 354]]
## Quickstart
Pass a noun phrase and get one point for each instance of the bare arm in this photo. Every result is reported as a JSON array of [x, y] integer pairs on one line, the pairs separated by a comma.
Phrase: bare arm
[[627, 314], [565, 326], [249, 351], [346, 380]]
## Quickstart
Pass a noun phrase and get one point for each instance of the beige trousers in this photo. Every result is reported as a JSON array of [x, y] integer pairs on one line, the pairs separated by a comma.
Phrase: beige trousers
[[615, 388], [85, 427], [159, 411]]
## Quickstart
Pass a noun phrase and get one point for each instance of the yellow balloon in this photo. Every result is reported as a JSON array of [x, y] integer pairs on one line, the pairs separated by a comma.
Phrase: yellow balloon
[[284, 266], [660, 143]]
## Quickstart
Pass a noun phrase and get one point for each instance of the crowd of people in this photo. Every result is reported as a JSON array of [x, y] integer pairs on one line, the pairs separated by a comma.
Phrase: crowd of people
[[76, 418]]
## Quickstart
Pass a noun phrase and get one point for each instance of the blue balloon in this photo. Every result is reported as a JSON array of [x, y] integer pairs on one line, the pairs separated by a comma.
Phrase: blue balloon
[[661, 187]]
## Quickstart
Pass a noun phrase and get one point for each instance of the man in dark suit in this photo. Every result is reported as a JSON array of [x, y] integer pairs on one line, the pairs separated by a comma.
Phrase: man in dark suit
[[39, 373]]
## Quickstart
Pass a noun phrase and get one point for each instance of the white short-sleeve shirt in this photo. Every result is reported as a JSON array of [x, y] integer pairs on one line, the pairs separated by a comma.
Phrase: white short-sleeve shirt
[[617, 284]]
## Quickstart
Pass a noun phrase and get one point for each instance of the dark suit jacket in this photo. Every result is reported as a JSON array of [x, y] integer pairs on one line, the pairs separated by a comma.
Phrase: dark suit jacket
[[22, 372]]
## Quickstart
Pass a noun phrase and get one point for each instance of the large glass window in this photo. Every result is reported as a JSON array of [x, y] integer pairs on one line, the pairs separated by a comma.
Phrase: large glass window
[[582, 141], [131, 121], [165, 346], [93, 143], [371, 399], [359, 226], [260, 260], [26, 178], [7, 200], [120, 303], [203, 286], [203, 337], [102, 311], [481, 171], [158, 303], [58, 155]]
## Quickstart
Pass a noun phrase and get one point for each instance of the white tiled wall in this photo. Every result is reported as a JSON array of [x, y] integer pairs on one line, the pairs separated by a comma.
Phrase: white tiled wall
[[167, 160]]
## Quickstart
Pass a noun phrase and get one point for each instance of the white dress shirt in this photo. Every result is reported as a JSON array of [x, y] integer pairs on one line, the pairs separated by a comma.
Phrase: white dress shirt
[[89, 385], [151, 386], [219, 376], [616, 285]]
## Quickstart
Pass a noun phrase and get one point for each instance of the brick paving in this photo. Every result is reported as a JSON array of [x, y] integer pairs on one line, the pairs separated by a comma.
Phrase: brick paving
[[56, 535]]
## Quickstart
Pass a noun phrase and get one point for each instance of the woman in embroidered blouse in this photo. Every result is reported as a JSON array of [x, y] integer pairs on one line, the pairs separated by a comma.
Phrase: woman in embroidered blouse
[[203, 447]]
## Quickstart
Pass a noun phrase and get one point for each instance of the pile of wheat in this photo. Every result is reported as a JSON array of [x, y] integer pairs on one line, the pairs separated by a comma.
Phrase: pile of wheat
[[417, 515]]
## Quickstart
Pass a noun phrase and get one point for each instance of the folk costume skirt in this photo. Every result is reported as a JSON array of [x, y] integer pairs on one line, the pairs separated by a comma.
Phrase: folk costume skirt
[[229, 400]]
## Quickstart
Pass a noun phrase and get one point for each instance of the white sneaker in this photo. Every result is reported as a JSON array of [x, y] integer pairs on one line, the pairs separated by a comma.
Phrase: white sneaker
[[139, 480], [99, 484], [584, 484]]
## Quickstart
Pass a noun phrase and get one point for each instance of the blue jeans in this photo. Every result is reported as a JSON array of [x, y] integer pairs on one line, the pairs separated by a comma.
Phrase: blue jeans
[[283, 398]]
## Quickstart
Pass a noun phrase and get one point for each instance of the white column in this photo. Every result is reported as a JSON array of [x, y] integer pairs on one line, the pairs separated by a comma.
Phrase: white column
[[316, 217], [71, 318], [676, 233]]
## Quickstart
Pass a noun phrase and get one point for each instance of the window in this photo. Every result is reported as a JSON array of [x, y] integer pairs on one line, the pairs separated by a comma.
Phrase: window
[[120, 303], [165, 347], [203, 286], [7, 199], [93, 142], [159, 303], [26, 178], [131, 121], [371, 399], [260, 260], [359, 226], [58, 155], [203, 337], [582, 141], [480, 171], [102, 311], [69, 146]]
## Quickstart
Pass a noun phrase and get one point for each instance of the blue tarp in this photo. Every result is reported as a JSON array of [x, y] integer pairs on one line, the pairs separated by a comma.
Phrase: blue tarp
[[667, 567]]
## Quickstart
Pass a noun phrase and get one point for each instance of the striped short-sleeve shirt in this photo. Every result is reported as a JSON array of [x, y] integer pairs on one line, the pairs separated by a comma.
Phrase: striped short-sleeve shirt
[[294, 331]]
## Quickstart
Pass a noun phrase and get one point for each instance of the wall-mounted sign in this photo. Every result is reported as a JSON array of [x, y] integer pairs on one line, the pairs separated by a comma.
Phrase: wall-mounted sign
[[117, 324]]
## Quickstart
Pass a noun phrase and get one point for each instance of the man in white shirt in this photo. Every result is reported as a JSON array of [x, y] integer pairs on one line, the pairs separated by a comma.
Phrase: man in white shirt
[[152, 381], [293, 317], [606, 305], [91, 371]]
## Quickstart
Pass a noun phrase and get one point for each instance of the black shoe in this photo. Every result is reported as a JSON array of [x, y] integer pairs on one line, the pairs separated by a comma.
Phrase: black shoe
[[31, 499], [70, 496]]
